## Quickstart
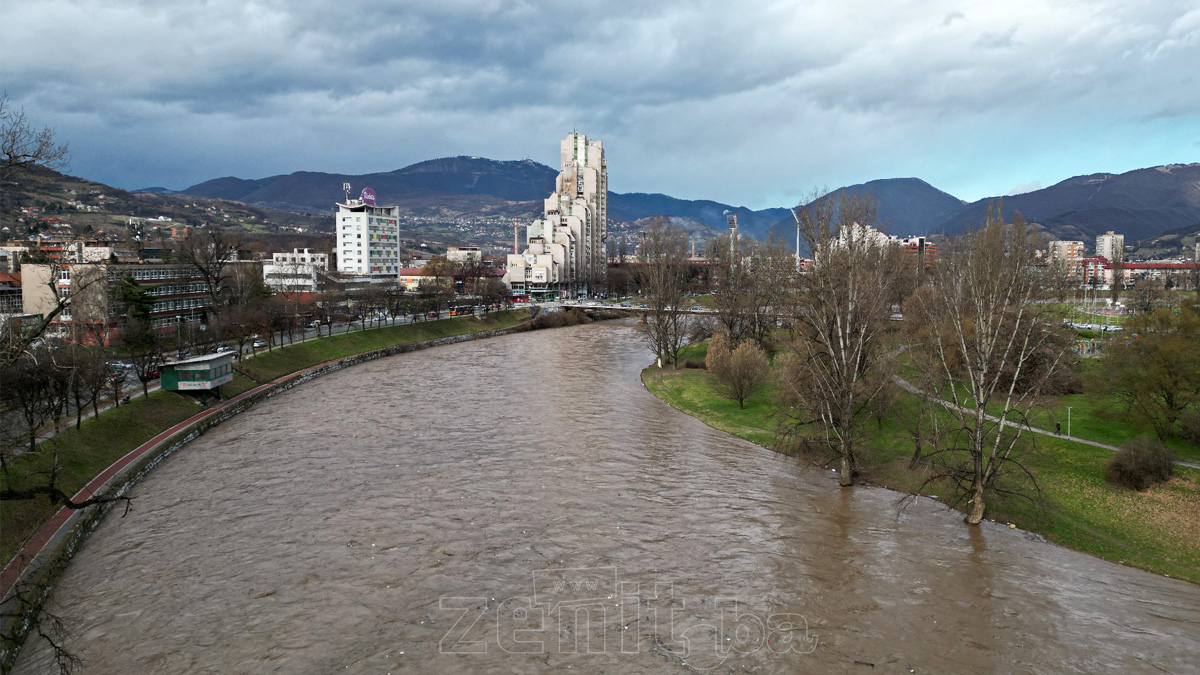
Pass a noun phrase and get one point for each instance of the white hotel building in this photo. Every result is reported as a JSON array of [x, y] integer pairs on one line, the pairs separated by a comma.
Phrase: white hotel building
[[368, 238]]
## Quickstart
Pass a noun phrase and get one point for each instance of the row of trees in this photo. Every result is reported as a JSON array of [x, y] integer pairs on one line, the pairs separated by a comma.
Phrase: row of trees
[[976, 328]]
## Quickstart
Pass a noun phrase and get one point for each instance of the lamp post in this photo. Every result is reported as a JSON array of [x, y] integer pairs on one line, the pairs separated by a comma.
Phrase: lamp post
[[1068, 421], [796, 215]]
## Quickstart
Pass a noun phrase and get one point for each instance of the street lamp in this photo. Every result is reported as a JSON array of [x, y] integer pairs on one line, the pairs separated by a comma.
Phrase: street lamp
[[1068, 421], [796, 215]]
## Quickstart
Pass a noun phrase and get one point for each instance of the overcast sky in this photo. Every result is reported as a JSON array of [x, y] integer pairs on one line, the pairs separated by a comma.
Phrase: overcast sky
[[751, 103]]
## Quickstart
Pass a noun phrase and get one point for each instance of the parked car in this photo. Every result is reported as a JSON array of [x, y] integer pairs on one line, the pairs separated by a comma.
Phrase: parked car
[[431, 315], [259, 344], [221, 349]]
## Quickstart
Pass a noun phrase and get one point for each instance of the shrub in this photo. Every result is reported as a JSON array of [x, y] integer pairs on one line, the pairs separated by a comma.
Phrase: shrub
[[1140, 463], [693, 363], [740, 372]]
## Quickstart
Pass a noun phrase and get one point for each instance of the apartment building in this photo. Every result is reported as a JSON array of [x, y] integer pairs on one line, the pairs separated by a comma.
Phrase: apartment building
[[564, 250], [1069, 256], [1111, 246]]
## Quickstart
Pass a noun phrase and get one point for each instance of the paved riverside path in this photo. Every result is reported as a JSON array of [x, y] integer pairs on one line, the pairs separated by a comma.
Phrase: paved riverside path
[[912, 388]]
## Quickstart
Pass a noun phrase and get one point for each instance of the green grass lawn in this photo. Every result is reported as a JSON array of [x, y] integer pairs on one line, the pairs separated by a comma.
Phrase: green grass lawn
[[281, 361], [1097, 415], [99, 442], [1157, 529]]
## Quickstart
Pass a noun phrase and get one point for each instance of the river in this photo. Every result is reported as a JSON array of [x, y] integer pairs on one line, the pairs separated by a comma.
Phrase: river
[[522, 504]]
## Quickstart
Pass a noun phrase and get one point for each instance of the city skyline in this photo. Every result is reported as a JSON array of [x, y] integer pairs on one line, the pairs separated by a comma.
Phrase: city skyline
[[754, 105]]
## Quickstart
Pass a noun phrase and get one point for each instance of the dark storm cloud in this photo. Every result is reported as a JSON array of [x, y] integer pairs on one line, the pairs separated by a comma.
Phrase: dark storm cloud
[[750, 102]]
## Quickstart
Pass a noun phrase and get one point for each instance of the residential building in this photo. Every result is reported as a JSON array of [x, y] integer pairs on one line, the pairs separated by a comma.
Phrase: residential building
[[10, 294], [296, 271], [564, 250], [1111, 245], [10, 258], [1097, 271], [411, 278], [461, 254], [861, 233], [1069, 256], [920, 249], [368, 237], [1158, 271]]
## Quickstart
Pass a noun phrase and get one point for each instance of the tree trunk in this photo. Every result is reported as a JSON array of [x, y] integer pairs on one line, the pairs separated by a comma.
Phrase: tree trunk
[[976, 513]]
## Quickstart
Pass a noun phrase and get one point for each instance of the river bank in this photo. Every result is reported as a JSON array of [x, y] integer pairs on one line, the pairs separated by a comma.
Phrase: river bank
[[111, 453], [347, 527], [1157, 530]]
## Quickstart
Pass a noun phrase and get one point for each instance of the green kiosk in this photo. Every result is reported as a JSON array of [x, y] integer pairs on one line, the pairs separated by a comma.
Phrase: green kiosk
[[198, 373]]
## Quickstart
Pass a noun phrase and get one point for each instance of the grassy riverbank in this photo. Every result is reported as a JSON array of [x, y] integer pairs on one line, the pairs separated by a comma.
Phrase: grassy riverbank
[[1157, 530], [101, 441], [267, 366]]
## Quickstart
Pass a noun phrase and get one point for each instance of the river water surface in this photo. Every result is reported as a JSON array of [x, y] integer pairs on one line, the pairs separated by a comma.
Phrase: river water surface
[[522, 504]]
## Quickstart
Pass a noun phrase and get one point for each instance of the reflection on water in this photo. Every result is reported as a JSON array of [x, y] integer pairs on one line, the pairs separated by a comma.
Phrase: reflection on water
[[522, 504]]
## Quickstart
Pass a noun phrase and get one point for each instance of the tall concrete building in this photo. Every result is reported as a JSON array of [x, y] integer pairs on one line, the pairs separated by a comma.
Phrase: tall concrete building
[[368, 237], [564, 250], [1068, 254], [1110, 245]]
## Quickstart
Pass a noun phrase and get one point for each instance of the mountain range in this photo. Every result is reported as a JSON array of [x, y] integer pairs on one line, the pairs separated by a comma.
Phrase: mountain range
[[1141, 203]]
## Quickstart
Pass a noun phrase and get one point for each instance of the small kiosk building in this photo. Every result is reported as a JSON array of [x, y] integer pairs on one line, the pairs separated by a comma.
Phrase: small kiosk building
[[198, 373]]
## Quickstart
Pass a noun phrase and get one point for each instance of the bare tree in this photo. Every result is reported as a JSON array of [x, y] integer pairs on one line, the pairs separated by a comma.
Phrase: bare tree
[[1148, 295], [731, 285], [841, 309], [1119, 274], [664, 276], [22, 147], [208, 252], [979, 329]]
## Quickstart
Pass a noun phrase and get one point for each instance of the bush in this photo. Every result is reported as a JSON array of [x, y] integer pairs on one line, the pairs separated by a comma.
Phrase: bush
[[1140, 463], [693, 363]]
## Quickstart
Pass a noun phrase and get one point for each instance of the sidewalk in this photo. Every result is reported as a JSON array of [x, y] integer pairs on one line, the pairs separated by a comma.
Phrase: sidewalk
[[913, 389]]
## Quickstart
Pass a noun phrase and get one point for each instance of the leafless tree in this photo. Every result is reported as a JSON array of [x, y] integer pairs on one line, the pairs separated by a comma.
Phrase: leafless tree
[[841, 309], [143, 346], [22, 146], [1148, 295], [731, 285], [208, 252], [664, 277], [493, 293], [978, 328]]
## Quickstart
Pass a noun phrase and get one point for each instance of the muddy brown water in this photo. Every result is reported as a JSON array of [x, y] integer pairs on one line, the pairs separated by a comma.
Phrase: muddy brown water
[[522, 504]]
